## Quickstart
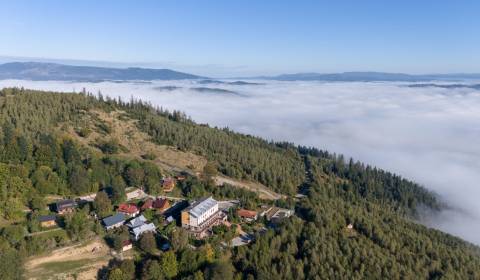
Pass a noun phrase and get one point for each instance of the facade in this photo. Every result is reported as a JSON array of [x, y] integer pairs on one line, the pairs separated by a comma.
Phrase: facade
[[201, 216], [130, 210], [127, 245], [114, 221], [65, 206], [48, 221]]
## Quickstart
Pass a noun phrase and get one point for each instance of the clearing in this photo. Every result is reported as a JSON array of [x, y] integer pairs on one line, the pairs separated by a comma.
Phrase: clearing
[[73, 262]]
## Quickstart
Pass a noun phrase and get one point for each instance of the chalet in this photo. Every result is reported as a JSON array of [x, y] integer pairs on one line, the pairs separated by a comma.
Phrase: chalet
[[127, 245], [168, 184], [47, 220], [138, 231], [247, 215], [161, 204], [65, 206], [130, 210], [201, 216], [136, 222], [114, 221], [276, 214], [147, 204]]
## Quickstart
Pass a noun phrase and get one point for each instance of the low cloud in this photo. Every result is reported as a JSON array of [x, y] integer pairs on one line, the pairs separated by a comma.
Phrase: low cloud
[[427, 134]]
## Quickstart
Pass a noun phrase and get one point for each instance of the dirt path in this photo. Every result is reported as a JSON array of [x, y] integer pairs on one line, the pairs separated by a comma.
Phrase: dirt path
[[45, 231], [262, 191], [83, 261]]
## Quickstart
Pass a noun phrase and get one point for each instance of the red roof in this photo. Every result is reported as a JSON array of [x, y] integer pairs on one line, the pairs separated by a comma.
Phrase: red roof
[[147, 204], [127, 208], [247, 213], [168, 184], [161, 203]]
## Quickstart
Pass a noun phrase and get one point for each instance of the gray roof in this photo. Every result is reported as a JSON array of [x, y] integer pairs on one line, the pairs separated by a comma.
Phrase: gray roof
[[136, 222], [63, 204], [202, 206], [113, 220], [47, 218], [143, 228]]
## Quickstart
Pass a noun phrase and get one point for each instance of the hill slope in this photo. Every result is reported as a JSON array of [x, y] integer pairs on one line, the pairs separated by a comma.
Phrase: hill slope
[[60, 72], [67, 144]]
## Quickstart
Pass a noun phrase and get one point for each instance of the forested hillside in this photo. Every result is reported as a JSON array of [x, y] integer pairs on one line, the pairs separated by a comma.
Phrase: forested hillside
[[39, 158]]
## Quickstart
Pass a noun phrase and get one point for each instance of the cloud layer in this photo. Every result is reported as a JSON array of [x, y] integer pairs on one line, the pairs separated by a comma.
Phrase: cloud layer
[[427, 134]]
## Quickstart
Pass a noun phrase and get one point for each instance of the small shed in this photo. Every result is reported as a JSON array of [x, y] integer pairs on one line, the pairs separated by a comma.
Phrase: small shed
[[47, 220]]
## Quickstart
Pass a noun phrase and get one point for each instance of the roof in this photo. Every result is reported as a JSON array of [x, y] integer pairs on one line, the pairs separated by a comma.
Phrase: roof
[[247, 213], [202, 206], [143, 228], [63, 204], [136, 222], [113, 220], [127, 208], [147, 204], [47, 218], [160, 203]]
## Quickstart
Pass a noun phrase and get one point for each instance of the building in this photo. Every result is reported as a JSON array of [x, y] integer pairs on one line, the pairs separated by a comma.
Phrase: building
[[47, 220], [65, 206], [147, 204], [276, 214], [161, 204], [127, 245], [201, 216], [130, 210], [114, 221], [168, 184], [136, 222], [138, 231], [247, 215]]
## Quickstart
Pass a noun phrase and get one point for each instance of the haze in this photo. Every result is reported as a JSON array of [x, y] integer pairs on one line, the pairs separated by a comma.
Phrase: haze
[[429, 134]]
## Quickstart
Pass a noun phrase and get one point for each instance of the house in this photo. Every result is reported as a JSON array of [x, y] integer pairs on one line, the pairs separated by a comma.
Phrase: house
[[47, 220], [114, 221], [161, 204], [147, 204], [136, 222], [127, 245], [180, 178], [247, 215], [138, 231], [276, 214], [65, 206], [168, 184], [201, 216], [130, 210]]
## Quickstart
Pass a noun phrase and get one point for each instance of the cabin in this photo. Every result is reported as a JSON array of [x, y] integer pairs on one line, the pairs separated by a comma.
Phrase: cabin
[[161, 204], [247, 215], [276, 214], [147, 204], [136, 222], [168, 184], [130, 210], [127, 245], [65, 206], [47, 221], [114, 221], [138, 231]]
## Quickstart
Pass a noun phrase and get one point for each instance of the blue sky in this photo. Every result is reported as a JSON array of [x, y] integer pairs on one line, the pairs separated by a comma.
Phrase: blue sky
[[224, 38]]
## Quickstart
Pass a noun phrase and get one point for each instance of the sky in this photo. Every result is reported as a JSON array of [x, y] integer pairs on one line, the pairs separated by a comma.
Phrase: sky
[[238, 38]]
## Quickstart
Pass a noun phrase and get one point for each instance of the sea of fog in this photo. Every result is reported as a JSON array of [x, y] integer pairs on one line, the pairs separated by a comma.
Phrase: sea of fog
[[428, 134]]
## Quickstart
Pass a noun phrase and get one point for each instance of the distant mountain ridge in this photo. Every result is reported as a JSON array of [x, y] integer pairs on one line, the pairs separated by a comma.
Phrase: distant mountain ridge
[[41, 71], [368, 77]]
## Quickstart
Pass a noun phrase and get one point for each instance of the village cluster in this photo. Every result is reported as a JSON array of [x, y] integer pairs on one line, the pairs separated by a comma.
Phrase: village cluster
[[197, 217]]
